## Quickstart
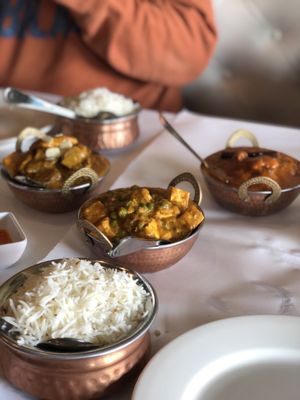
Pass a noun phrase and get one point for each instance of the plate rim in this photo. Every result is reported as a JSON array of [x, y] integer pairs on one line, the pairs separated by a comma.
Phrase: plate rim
[[147, 387]]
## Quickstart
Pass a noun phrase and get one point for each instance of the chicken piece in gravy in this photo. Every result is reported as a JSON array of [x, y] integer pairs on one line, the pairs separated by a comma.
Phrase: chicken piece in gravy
[[52, 160]]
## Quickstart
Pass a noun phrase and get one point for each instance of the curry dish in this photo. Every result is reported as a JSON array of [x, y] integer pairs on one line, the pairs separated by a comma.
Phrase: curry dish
[[52, 160], [150, 213], [234, 166]]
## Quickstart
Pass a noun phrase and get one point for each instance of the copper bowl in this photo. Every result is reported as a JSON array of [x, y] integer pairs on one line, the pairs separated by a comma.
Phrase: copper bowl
[[80, 375], [109, 134], [73, 193], [244, 199], [153, 258], [55, 200]]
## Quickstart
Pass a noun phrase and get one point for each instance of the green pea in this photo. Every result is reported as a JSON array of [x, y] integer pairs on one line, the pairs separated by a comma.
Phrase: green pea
[[114, 223], [150, 206], [164, 203], [122, 212]]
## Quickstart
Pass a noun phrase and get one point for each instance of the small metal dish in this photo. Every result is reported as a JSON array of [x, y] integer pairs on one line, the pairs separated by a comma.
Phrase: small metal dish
[[79, 375], [13, 250], [245, 199], [148, 258], [111, 134]]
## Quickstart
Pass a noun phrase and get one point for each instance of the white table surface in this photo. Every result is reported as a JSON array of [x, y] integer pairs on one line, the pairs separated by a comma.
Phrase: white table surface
[[238, 266]]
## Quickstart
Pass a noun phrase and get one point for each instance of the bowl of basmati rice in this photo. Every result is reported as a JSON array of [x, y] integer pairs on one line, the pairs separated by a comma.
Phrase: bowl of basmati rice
[[109, 134], [95, 301]]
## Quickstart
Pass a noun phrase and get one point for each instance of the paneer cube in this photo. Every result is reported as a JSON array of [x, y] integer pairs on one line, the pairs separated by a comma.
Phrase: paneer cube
[[179, 197], [142, 195], [94, 212], [109, 227], [191, 217], [150, 230], [166, 210]]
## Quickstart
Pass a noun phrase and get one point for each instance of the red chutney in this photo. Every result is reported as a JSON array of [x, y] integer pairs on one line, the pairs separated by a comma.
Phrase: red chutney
[[236, 165], [5, 237]]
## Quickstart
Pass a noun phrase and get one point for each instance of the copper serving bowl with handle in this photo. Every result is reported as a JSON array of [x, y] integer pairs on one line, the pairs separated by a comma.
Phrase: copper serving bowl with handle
[[142, 255], [77, 188], [109, 134], [258, 195], [75, 375]]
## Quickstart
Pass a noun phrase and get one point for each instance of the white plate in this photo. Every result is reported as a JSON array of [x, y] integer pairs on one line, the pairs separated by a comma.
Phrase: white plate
[[241, 358]]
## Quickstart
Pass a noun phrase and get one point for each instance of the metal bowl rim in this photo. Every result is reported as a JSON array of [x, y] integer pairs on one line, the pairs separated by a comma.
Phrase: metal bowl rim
[[163, 245], [224, 186], [109, 121], [141, 330], [37, 189]]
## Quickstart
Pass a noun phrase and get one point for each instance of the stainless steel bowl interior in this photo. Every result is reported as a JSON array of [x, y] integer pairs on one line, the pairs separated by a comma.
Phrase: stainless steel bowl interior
[[17, 280]]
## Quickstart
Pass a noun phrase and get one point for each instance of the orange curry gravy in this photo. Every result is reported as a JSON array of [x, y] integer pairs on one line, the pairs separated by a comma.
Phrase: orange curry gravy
[[5, 237], [234, 166]]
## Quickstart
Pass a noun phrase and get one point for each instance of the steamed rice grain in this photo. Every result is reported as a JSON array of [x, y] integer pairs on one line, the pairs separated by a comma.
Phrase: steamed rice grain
[[88, 104], [79, 299]]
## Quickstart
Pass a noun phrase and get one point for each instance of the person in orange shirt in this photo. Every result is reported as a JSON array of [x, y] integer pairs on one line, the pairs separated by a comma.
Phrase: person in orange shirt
[[145, 49]]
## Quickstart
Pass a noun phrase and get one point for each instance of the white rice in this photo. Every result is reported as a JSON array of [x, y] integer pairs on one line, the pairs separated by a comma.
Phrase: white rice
[[77, 299], [88, 104]]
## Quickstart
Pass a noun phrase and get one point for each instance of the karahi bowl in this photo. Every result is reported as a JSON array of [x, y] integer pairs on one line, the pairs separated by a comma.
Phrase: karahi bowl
[[69, 198], [79, 375], [259, 195], [80, 184], [151, 258], [109, 135]]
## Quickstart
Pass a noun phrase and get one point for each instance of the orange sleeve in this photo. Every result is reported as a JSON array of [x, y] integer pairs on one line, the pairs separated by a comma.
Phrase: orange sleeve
[[163, 41]]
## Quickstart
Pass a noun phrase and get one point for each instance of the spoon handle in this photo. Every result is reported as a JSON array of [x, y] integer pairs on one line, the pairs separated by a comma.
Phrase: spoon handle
[[14, 96], [130, 245], [66, 345], [173, 132]]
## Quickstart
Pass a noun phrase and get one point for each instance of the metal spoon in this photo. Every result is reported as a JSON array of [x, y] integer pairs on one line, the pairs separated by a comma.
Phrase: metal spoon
[[8, 329], [126, 245], [173, 132], [14, 96], [131, 244], [217, 172], [58, 344], [66, 345]]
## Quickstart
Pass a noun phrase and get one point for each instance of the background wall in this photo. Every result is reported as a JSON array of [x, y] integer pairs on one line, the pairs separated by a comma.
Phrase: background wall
[[255, 71]]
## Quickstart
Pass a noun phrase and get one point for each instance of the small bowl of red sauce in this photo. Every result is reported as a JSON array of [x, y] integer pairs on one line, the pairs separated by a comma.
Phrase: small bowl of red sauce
[[13, 240]]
